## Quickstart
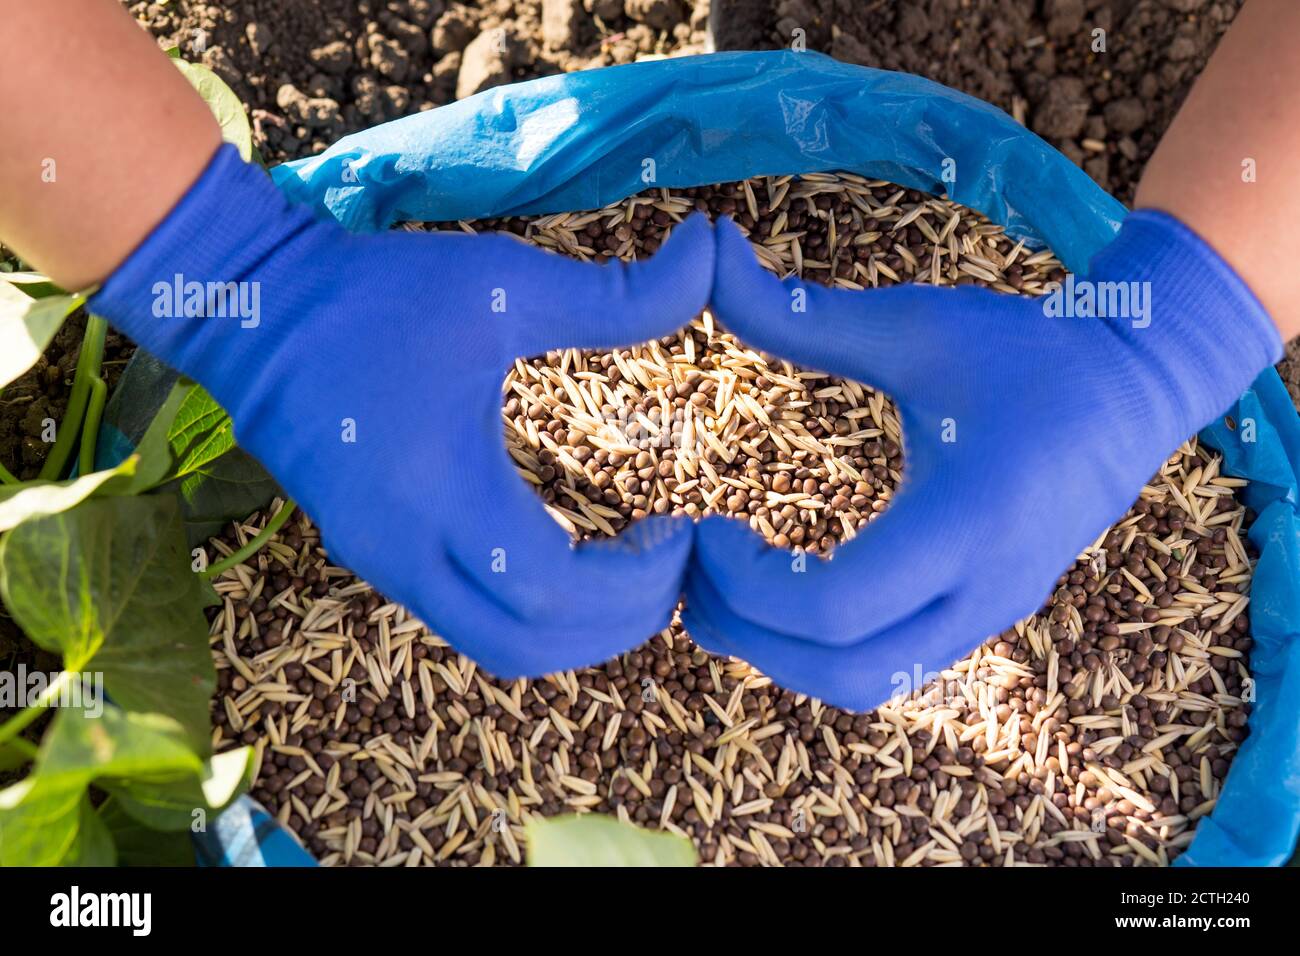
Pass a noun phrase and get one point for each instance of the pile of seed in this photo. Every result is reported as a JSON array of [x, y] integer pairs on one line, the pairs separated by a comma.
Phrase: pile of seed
[[697, 422], [1097, 732]]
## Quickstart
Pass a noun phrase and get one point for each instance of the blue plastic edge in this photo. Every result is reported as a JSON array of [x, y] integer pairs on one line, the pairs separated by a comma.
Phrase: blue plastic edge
[[583, 140]]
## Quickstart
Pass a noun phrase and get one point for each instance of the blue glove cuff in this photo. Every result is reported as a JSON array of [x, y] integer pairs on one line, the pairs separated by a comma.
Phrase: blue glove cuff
[[1217, 302], [201, 241], [1200, 323]]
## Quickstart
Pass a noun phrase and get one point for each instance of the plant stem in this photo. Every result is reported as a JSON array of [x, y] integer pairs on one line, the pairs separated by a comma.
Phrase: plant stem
[[88, 364], [24, 747], [90, 429], [11, 728], [256, 542], [6, 476]]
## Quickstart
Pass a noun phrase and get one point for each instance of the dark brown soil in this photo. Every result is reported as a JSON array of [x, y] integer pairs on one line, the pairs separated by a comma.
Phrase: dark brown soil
[[1033, 58], [42, 394], [17, 652], [1289, 369], [311, 71]]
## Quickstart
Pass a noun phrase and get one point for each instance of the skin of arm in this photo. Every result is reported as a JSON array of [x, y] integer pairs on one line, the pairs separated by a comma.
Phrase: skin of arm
[[1242, 117], [101, 136]]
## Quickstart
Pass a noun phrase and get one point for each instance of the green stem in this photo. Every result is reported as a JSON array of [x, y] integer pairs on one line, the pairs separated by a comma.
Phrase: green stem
[[88, 364], [24, 747], [256, 542], [90, 429], [6, 476], [11, 728]]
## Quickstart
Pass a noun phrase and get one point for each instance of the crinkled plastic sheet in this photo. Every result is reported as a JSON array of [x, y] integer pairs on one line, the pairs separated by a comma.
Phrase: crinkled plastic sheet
[[583, 140], [1255, 820]]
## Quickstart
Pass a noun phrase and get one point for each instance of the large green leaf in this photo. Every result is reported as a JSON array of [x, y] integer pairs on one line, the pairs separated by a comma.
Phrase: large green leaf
[[109, 585], [36, 498], [137, 845], [591, 839], [42, 817], [93, 845], [26, 327], [225, 106], [170, 804], [232, 486]]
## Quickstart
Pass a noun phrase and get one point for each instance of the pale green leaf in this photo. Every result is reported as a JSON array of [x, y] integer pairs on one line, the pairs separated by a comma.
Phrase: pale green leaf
[[33, 284], [109, 585], [591, 839], [34, 499], [170, 804], [41, 816], [225, 106], [26, 327]]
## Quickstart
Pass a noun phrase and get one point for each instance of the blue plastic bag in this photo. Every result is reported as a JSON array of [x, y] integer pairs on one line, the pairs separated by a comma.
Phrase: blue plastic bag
[[582, 140]]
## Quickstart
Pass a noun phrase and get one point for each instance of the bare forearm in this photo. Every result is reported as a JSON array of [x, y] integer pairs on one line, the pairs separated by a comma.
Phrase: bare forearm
[[99, 138], [1227, 165]]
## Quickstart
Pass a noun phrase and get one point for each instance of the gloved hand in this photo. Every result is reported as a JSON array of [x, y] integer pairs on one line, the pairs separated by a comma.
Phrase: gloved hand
[[1058, 423], [402, 341]]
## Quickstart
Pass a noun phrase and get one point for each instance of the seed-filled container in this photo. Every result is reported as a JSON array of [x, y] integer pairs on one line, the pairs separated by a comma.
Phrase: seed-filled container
[[591, 164]]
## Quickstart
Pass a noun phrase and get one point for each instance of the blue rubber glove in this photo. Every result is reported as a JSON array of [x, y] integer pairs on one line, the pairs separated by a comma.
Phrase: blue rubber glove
[[402, 341], [1058, 423]]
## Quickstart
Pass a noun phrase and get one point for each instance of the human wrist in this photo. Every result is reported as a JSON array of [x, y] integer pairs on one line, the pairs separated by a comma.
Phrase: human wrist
[[192, 291]]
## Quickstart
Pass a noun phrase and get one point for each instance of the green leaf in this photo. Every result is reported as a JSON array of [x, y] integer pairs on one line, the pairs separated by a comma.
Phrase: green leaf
[[109, 584], [36, 498], [137, 845], [154, 446], [591, 839], [217, 481], [200, 432], [42, 816], [11, 757], [232, 486], [26, 327], [94, 843], [170, 804], [34, 284], [225, 106], [143, 470]]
